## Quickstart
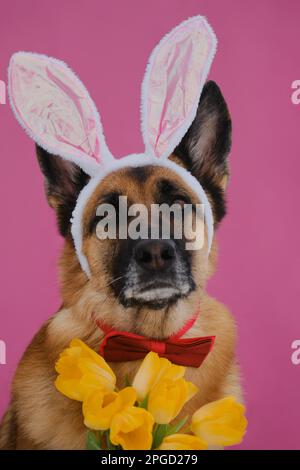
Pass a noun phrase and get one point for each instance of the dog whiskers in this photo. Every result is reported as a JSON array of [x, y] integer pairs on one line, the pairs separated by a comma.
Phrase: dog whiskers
[[112, 282]]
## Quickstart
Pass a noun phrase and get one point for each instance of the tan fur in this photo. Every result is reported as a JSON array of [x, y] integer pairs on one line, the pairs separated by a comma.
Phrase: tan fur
[[40, 417]]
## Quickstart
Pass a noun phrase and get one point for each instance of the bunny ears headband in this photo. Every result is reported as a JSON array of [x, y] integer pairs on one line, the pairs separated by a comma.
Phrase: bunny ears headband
[[57, 112]]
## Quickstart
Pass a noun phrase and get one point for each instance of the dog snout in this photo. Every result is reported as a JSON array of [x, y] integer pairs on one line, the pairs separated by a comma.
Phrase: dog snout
[[155, 255]]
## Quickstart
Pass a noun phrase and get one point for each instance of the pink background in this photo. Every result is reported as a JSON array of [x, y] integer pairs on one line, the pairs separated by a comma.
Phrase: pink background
[[258, 275]]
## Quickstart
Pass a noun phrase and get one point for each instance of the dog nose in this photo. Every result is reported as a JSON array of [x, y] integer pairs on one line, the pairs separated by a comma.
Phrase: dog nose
[[155, 255]]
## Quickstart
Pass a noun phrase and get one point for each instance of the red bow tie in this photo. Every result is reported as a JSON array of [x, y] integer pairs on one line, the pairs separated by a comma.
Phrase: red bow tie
[[120, 346]]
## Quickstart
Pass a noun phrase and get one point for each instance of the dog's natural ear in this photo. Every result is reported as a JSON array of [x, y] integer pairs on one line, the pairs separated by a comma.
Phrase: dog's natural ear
[[205, 147], [63, 183]]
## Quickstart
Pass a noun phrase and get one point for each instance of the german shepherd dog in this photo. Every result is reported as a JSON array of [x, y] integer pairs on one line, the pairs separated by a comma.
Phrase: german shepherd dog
[[38, 416]]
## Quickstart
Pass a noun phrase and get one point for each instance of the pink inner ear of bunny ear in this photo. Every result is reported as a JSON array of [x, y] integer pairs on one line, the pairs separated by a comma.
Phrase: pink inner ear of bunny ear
[[56, 110], [173, 83]]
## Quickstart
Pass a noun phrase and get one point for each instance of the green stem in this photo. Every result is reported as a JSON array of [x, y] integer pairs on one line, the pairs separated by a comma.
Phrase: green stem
[[159, 432], [107, 440], [186, 429]]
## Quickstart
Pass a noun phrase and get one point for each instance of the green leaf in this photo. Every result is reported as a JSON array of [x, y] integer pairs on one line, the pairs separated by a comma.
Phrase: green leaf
[[160, 431], [92, 442], [176, 427], [126, 381], [109, 444], [144, 403]]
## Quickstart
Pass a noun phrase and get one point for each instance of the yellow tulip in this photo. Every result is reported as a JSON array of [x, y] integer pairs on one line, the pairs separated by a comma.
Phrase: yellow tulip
[[221, 422], [151, 371], [132, 429], [182, 442], [168, 397], [99, 407], [82, 370]]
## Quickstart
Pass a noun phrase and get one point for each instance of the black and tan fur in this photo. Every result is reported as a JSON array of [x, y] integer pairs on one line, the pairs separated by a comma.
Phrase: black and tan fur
[[38, 416]]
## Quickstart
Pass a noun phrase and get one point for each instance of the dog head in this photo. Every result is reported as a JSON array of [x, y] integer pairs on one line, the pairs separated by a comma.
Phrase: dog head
[[147, 272], [186, 129]]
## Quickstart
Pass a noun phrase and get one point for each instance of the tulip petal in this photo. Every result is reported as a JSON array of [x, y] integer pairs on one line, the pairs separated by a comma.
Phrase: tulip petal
[[132, 429], [86, 351], [221, 407], [168, 397], [146, 375], [172, 372], [70, 388], [68, 367], [81, 370], [182, 442], [221, 422], [98, 410], [192, 390], [127, 396], [217, 434], [92, 369], [99, 407]]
